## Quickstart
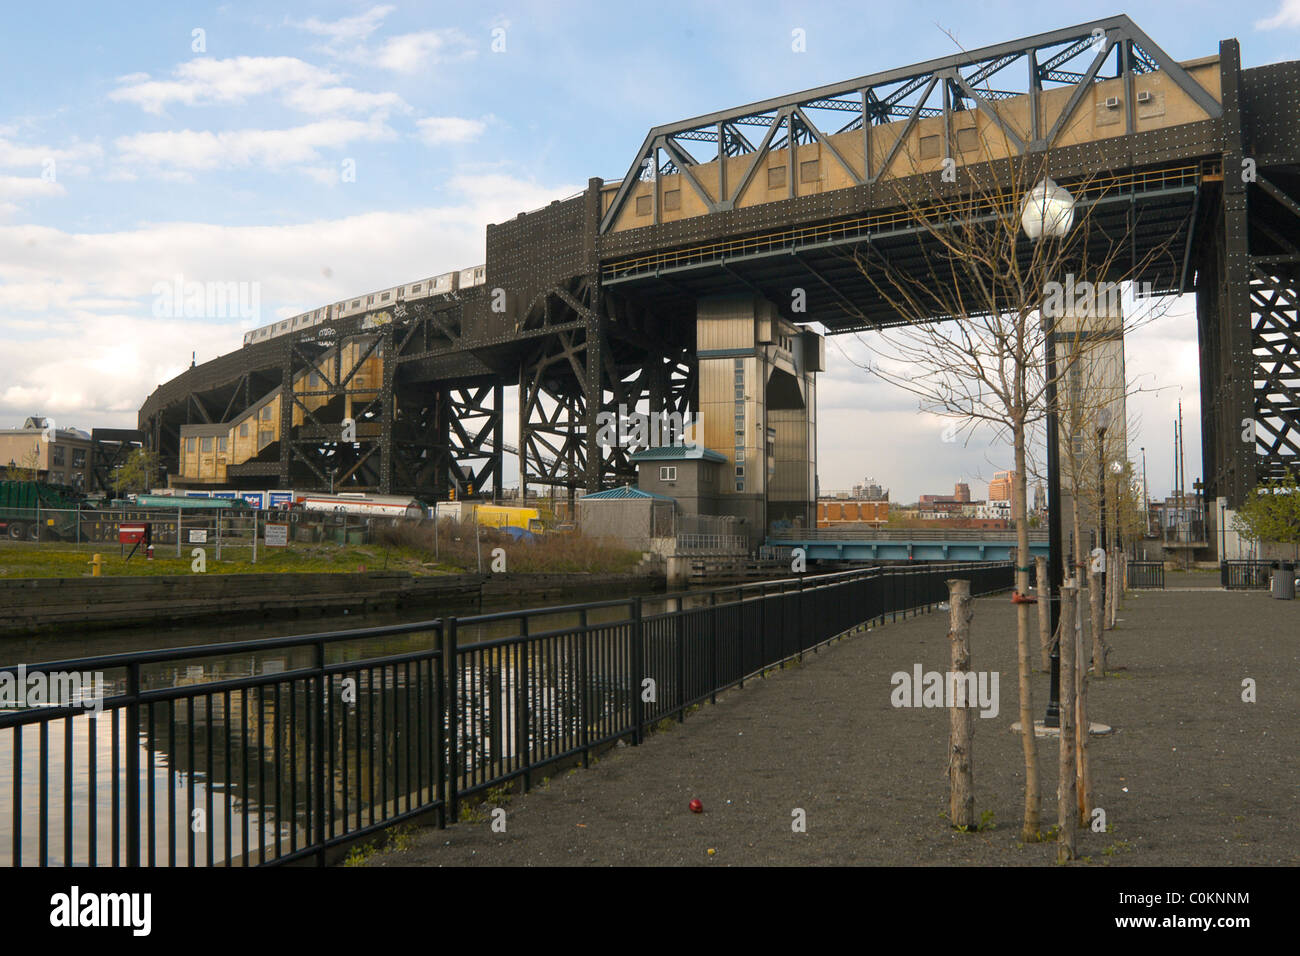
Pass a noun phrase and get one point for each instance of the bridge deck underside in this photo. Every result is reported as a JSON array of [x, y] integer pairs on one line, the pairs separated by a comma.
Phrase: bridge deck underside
[[825, 259]]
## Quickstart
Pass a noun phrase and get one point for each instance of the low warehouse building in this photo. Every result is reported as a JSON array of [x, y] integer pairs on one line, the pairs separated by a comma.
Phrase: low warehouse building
[[627, 514]]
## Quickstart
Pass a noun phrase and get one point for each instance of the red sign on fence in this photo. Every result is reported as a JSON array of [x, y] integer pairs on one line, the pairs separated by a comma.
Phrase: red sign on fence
[[130, 533]]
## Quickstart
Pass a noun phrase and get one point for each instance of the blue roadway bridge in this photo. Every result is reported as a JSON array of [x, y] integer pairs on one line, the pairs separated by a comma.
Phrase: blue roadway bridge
[[906, 544]]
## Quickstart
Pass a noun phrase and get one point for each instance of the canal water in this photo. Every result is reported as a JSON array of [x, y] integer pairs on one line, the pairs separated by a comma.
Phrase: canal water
[[206, 762]]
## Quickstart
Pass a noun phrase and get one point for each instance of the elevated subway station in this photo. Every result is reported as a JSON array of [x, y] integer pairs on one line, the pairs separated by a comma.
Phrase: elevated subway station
[[737, 237]]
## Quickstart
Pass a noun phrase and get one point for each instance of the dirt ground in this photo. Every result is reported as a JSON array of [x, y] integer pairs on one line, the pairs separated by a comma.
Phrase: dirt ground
[[1192, 775]]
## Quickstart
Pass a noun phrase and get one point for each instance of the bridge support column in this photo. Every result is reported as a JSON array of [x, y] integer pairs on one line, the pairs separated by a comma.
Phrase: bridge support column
[[758, 403]]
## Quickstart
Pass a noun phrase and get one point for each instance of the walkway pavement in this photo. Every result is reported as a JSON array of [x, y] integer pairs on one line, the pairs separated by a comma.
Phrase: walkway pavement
[[1192, 776]]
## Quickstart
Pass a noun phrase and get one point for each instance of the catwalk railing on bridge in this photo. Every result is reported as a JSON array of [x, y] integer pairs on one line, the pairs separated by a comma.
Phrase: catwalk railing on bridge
[[901, 534], [274, 751]]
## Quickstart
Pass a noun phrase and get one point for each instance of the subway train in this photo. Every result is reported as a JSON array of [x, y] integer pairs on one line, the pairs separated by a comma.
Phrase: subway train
[[444, 284]]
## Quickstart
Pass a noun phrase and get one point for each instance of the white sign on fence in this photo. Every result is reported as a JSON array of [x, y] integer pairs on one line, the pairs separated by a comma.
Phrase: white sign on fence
[[277, 535], [198, 537]]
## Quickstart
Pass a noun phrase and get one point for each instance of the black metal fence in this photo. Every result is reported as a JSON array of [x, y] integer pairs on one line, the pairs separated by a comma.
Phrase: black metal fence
[[272, 751], [1246, 575], [1146, 574]]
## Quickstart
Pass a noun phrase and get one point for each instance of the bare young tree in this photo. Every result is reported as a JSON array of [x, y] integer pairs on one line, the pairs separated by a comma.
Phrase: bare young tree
[[977, 302]]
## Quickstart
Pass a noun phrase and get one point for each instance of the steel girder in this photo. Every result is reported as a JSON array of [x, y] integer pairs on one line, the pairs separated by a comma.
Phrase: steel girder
[[623, 359], [940, 87], [1248, 290], [109, 448], [315, 453]]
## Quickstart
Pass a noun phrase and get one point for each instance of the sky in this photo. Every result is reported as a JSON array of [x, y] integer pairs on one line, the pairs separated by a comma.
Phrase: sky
[[315, 151]]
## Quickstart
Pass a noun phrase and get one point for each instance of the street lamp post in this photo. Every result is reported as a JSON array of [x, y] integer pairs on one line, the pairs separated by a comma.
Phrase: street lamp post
[[1048, 212], [1103, 422]]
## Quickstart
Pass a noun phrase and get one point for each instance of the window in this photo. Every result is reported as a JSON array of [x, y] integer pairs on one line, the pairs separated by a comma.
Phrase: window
[[266, 413], [58, 456], [930, 147], [189, 445], [207, 444], [416, 287], [668, 473], [740, 471], [313, 380], [740, 486], [78, 458], [643, 205], [810, 171], [243, 430], [968, 140], [221, 445], [672, 199], [740, 453], [740, 393], [265, 437], [384, 297], [776, 177]]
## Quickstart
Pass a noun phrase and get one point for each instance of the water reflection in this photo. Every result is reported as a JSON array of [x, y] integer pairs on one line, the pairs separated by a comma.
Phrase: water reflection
[[229, 772]]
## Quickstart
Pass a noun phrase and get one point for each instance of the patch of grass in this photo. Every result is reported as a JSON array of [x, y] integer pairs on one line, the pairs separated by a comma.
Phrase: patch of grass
[[550, 552], [986, 823], [398, 839], [19, 559]]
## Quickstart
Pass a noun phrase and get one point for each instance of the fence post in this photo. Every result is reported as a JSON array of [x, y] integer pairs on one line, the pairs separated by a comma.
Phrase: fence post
[[679, 638], [523, 717], [436, 730], [38, 518], [584, 677], [255, 537], [713, 647], [451, 707], [636, 664], [218, 534], [133, 765], [179, 532], [318, 746]]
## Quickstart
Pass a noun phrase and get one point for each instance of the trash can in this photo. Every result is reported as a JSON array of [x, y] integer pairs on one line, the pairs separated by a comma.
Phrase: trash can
[[1283, 581], [1288, 581]]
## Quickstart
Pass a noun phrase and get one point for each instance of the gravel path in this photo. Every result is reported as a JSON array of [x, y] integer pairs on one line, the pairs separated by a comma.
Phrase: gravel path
[[1192, 775]]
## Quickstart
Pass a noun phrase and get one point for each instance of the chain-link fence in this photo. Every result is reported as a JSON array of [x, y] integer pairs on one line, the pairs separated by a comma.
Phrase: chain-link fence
[[236, 534]]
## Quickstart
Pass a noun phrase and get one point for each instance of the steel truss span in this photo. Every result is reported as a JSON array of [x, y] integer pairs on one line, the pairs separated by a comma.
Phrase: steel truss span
[[590, 303]]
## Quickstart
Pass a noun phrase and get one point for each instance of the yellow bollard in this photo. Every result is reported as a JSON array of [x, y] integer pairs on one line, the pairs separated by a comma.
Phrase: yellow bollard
[[96, 563]]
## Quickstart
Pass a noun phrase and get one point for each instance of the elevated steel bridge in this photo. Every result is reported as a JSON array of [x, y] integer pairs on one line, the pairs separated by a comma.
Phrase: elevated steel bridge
[[594, 302]]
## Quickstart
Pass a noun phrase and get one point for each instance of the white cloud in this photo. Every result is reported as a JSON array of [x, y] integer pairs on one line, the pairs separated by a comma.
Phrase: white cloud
[[300, 85], [25, 187], [14, 155], [347, 29], [1288, 15], [442, 130], [65, 297], [204, 149], [413, 52]]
